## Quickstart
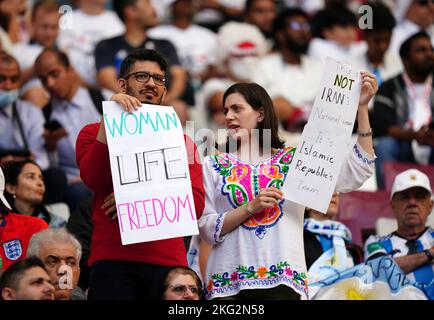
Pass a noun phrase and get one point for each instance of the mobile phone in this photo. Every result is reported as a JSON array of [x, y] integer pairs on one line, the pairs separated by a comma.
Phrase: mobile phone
[[52, 125]]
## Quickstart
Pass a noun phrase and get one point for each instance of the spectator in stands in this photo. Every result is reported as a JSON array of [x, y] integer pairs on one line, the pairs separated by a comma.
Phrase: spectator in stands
[[15, 231], [137, 270], [182, 283], [213, 14], [196, 46], [285, 72], [21, 123], [376, 57], [257, 236], [403, 108], [335, 34], [138, 16], [25, 191], [412, 244], [327, 243], [60, 252], [261, 13], [45, 29], [21, 129], [71, 107], [5, 40], [82, 29], [413, 16], [26, 280], [240, 47], [14, 23]]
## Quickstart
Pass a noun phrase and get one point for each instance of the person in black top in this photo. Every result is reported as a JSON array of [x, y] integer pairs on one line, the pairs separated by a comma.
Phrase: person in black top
[[325, 239]]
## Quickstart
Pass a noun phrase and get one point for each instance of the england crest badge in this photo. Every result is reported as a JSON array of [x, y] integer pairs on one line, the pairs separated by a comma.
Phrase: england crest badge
[[13, 249]]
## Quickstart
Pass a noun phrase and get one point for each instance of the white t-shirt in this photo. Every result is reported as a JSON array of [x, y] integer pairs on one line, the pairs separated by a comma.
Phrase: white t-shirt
[[299, 84], [26, 54], [320, 49], [403, 31], [391, 66], [196, 45], [80, 40]]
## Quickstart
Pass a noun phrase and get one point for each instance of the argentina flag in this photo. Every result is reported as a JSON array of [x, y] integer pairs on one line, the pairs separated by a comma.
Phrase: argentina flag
[[377, 279]]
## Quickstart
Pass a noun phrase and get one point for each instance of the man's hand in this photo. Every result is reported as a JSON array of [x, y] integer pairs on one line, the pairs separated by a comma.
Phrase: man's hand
[[425, 136], [53, 137], [109, 206]]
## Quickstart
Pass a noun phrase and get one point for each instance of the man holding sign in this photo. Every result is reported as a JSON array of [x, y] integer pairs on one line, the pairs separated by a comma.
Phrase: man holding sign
[[134, 271]]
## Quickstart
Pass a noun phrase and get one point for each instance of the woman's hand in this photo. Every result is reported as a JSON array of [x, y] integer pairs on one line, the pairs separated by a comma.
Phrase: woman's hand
[[267, 198], [129, 103], [369, 88], [109, 206]]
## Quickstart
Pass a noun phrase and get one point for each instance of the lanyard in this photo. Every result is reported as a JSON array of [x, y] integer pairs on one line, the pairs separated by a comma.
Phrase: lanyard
[[414, 96]]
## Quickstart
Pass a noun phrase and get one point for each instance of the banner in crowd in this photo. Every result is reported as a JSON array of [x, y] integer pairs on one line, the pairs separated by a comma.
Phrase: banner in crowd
[[377, 279], [151, 179], [324, 142]]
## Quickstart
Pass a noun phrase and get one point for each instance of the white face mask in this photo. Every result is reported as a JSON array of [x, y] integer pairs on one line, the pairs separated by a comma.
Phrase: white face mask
[[243, 68], [8, 97]]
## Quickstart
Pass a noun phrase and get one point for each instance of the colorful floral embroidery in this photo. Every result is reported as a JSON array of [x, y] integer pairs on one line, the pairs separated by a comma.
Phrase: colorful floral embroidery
[[245, 276], [242, 183]]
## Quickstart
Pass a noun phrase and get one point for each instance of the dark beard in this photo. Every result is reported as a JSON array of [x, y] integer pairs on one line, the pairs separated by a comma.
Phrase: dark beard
[[296, 47], [425, 70]]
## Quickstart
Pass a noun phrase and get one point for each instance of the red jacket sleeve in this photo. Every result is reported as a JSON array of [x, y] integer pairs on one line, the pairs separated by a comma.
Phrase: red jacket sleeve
[[93, 159], [195, 169]]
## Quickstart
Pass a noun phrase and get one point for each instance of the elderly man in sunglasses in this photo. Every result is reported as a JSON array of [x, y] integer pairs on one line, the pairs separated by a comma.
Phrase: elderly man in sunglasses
[[134, 271]]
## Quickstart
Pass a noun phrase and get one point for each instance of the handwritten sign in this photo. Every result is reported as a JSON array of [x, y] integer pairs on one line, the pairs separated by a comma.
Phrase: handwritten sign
[[313, 174], [149, 167]]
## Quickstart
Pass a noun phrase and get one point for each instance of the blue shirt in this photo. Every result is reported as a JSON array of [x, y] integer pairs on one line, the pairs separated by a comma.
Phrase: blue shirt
[[32, 121], [74, 115]]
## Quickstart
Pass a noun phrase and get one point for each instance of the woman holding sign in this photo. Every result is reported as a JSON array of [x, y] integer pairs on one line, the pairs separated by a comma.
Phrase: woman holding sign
[[257, 236]]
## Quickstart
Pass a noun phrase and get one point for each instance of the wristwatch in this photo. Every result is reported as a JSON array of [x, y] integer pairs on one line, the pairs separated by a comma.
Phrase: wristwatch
[[429, 255]]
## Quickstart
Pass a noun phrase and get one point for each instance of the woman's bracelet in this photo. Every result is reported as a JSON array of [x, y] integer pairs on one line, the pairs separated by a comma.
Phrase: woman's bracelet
[[365, 134], [248, 211]]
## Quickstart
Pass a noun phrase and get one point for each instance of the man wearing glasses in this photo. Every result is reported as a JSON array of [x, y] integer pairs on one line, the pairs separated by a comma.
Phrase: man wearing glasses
[[133, 271]]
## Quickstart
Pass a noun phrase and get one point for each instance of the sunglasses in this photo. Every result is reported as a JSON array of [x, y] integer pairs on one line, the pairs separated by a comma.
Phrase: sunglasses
[[294, 25]]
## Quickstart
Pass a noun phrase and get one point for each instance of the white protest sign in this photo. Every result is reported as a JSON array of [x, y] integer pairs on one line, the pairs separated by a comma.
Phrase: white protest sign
[[314, 170], [151, 179]]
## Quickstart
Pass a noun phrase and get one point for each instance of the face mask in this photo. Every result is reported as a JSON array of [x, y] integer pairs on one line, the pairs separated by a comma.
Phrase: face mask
[[243, 68], [8, 97]]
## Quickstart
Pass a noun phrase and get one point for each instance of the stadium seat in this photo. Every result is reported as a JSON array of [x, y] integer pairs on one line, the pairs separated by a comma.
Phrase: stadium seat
[[391, 169], [360, 210]]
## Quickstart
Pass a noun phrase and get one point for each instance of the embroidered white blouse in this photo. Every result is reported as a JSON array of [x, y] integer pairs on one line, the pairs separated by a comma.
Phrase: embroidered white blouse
[[266, 250]]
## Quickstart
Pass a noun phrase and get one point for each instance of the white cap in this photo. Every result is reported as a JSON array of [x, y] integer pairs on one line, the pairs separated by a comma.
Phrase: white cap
[[409, 179], [2, 189]]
